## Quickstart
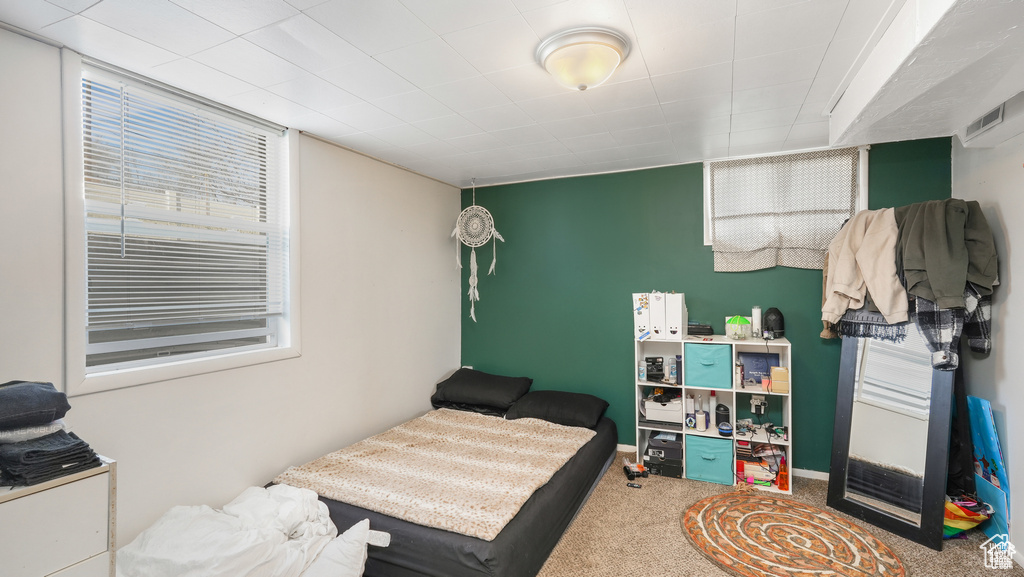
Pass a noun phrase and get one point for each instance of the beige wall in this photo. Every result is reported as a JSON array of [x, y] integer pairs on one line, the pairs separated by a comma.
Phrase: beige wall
[[995, 178], [380, 317]]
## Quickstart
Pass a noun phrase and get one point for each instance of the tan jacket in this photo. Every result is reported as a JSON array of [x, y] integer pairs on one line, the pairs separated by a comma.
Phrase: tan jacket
[[862, 259]]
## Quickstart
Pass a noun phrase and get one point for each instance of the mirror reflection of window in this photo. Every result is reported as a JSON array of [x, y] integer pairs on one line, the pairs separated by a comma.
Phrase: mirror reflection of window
[[897, 376]]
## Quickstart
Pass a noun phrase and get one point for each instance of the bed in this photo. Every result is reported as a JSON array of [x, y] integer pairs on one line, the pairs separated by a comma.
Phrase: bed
[[520, 548]]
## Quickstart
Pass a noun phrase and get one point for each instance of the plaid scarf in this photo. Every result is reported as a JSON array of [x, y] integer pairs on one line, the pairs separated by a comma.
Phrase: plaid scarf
[[942, 328]]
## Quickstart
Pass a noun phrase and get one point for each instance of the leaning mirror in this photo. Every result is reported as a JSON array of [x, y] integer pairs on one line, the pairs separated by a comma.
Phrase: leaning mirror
[[890, 443]]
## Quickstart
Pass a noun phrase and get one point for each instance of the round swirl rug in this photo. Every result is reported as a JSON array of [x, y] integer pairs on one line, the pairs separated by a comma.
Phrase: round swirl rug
[[756, 534]]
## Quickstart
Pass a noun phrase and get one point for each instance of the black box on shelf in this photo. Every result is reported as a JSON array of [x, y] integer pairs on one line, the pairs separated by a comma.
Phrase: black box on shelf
[[665, 445], [664, 467]]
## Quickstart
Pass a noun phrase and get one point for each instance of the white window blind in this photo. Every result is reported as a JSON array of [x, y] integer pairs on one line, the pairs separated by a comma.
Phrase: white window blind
[[779, 210], [186, 227]]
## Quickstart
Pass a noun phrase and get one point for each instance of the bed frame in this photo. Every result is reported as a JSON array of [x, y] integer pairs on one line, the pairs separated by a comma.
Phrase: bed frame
[[519, 550]]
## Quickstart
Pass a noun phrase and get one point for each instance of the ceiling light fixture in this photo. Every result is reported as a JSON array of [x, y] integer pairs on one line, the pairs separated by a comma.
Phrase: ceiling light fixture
[[582, 58]]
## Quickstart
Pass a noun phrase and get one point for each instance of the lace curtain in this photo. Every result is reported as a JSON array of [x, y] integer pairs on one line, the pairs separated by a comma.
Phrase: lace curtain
[[780, 210]]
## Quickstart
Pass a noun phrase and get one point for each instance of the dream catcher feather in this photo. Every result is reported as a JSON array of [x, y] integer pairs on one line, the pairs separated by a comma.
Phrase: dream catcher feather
[[474, 228]]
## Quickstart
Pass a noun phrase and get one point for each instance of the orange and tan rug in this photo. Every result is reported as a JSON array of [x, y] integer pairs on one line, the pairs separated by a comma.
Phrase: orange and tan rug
[[757, 534]]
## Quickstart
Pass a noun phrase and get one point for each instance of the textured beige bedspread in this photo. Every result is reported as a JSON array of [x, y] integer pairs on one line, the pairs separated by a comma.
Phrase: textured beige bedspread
[[453, 470]]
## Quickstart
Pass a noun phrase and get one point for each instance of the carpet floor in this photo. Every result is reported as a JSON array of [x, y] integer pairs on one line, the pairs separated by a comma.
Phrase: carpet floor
[[626, 532]]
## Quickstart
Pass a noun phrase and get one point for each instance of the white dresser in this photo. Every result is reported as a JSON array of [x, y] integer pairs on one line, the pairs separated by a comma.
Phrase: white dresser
[[63, 527]]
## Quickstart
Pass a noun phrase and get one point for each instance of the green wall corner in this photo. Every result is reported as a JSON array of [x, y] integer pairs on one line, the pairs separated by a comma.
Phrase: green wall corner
[[558, 307]]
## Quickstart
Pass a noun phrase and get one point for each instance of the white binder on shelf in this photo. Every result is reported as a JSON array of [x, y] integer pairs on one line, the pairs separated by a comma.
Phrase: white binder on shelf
[[675, 316], [658, 331], [641, 316]]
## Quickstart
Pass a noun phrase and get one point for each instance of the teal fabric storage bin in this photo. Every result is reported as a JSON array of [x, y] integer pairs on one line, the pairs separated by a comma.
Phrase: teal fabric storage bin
[[709, 459], [708, 365]]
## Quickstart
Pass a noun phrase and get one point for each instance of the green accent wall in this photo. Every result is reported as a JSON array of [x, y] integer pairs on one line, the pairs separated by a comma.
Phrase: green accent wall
[[558, 308]]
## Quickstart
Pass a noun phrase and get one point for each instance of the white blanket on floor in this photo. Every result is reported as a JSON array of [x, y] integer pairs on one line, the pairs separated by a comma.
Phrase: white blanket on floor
[[273, 532]]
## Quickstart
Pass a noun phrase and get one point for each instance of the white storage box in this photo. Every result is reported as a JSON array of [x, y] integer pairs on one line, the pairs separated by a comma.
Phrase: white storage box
[[641, 316], [658, 331], [671, 412]]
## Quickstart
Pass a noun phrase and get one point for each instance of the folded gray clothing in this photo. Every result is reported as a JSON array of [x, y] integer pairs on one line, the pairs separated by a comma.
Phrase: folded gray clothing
[[30, 404], [29, 433], [50, 449], [36, 475]]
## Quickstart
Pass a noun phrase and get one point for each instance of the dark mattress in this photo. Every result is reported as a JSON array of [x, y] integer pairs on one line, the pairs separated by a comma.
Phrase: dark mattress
[[519, 550]]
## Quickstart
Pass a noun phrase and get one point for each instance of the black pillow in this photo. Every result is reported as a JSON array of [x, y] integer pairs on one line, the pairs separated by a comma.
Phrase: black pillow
[[561, 407], [470, 390]]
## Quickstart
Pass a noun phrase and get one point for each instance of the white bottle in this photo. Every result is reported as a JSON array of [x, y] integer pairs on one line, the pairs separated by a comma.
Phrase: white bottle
[[641, 371]]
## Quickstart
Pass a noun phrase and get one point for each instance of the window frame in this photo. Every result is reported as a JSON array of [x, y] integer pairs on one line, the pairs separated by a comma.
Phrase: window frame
[[79, 381]]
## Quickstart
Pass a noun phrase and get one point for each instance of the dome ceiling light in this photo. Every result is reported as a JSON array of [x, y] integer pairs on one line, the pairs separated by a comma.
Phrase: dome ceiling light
[[582, 58]]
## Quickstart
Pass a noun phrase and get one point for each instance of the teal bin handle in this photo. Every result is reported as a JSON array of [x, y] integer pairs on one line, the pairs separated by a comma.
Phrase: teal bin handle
[[709, 457], [707, 362]]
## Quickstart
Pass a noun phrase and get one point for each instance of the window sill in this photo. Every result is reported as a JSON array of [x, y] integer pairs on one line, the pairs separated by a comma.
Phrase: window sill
[[105, 381]]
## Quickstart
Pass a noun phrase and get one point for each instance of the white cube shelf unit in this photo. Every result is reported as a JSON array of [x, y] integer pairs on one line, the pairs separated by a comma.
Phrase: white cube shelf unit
[[706, 365]]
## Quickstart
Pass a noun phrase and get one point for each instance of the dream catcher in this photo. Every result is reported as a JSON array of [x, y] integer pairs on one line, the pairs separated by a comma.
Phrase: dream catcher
[[474, 228]]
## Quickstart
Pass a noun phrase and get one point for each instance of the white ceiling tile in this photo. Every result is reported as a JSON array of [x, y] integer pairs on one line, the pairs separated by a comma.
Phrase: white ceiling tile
[[373, 27], [435, 148], [812, 111], [645, 135], [525, 5], [540, 149], [75, 6], [476, 142], [413, 106], [529, 134], [659, 18], [695, 108], [775, 134], [751, 6], [757, 148], [525, 82], [161, 23], [268, 105], [860, 19], [428, 63], [778, 67], [809, 130], [200, 79], [701, 128], [590, 142], [788, 27], [468, 94], [31, 15], [240, 16], [689, 47], [768, 97], [620, 96], [714, 79], [444, 16], [314, 92], [367, 79], [305, 4], [447, 127], [553, 18], [498, 117], [305, 43], [633, 118], [764, 118], [402, 135], [573, 127], [243, 59], [565, 105], [363, 116], [497, 45], [105, 43]]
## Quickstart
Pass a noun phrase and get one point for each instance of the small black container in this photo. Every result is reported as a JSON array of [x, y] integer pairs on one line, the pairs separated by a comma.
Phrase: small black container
[[722, 414]]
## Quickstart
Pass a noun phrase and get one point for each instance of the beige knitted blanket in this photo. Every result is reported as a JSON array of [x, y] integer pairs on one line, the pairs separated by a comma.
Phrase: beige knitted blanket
[[452, 470]]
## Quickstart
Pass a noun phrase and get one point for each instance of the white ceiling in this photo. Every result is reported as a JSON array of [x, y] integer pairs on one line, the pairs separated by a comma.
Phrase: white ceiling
[[450, 88]]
